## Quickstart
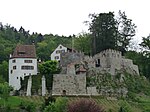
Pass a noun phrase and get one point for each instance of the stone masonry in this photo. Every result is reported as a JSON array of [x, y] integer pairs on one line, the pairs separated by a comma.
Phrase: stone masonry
[[75, 66]]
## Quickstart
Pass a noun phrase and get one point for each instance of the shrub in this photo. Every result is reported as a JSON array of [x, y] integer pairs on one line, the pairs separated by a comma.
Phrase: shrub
[[58, 106], [49, 99], [28, 106], [84, 105], [124, 106]]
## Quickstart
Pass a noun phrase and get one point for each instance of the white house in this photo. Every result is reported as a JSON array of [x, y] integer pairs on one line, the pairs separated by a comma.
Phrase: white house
[[60, 49], [23, 62]]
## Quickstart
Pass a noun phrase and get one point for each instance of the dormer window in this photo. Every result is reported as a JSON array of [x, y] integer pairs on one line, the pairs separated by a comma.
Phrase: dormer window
[[60, 47], [21, 53]]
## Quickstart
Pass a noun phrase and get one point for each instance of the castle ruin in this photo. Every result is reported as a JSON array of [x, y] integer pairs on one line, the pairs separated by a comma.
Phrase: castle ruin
[[76, 66]]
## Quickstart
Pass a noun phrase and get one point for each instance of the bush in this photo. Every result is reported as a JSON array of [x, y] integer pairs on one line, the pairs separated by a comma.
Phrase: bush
[[124, 106], [30, 107], [84, 105], [58, 106]]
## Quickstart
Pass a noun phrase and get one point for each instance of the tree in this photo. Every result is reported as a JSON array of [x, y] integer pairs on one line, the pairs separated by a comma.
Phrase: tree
[[4, 91], [126, 30], [110, 33], [58, 106], [104, 31], [48, 68], [4, 70], [146, 54], [83, 43], [146, 42]]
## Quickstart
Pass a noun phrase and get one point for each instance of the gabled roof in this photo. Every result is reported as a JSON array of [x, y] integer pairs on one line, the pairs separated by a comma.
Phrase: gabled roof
[[24, 51]]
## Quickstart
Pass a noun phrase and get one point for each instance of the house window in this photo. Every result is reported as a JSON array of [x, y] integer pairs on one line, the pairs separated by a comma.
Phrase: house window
[[14, 67], [56, 57], [58, 51], [27, 61], [11, 71], [62, 51], [60, 47], [13, 61], [27, 67]]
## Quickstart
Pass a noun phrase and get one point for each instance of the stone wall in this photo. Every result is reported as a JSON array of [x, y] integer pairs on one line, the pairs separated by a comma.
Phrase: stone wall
[[108, 61], [71, 84]]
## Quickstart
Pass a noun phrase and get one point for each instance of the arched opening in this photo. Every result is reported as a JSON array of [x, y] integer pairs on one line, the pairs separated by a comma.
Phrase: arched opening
[[64, 92]]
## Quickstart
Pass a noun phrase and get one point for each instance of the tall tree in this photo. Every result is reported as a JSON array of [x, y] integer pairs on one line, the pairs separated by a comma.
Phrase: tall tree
[[146, 54], [111, 33], [104, 31], [126, 30], [146, 42]]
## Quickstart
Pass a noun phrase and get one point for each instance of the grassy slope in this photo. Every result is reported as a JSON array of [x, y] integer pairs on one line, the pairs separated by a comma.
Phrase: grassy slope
[[107, 104]]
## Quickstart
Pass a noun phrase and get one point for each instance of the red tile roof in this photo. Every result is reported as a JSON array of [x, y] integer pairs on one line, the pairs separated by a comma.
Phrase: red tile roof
[[24, 51]]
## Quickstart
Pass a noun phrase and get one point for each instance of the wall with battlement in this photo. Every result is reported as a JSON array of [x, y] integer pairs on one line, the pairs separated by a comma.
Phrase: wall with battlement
[[108, 61]]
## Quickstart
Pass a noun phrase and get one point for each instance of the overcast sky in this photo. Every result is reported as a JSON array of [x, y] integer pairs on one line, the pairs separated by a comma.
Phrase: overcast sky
[[66, 17]]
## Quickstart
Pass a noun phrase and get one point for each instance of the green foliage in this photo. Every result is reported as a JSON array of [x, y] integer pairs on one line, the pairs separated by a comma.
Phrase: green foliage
[[104, 31], [49, 68], [146, 42], [126, 31], [142, 60], [137, 84], [1, 79], [124, 107], [83, 43], [110, 33], [28, 106], [4, 90], [4, 70], [58, 106]]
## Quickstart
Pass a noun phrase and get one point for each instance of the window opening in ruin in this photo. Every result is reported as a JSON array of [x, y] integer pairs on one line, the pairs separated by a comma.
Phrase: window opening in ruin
[[98, 63]]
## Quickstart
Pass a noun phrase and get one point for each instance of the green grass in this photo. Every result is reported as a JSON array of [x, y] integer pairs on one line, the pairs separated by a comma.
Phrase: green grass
[[12, 101], [108, 104]]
